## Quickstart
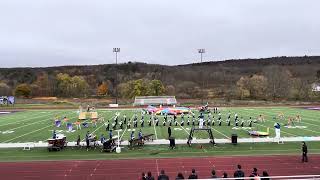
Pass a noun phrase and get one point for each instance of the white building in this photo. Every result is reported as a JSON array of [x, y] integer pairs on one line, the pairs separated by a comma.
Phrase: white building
[[316, 87]]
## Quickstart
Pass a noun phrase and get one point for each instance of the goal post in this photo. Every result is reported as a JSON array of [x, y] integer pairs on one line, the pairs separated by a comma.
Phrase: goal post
[[154, 100]]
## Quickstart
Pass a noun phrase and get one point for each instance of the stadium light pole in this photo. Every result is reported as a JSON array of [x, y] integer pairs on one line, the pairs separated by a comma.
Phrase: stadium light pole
[[116, 50], [201, 51]]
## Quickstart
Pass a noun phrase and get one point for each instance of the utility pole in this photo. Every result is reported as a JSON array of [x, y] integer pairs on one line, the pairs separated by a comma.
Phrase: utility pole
[[116, 50], [201, 51]]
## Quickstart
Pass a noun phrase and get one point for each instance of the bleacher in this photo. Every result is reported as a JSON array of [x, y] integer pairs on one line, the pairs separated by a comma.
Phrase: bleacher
[[154, 100]]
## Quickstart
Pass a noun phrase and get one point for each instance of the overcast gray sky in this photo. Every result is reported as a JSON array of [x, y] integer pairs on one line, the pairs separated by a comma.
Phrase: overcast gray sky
[[70, 32]]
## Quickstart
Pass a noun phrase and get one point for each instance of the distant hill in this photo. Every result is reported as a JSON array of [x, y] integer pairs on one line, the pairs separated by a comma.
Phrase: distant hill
[[218, 78]]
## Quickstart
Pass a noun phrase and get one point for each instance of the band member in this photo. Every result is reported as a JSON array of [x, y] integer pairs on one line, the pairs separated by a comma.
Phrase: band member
[[219, 121], [242, 122], [78, 124], [114, 126], [188, 121], [157, 121], [129, 125], [175, 122], [124, 119], [110, 134], [121, 124], [298, 118], [174, 117], [116, 119], [140, 135], [235, 117], [54, 134], [94, 122], [182, 122], [201, 121], [142, 123], [170, 121], [149, 122], [209, 122], [132, 136], [228, 122], [213, 121], [164, 122], [261, 118], [281, 116], [229, 115], [87, 139], [304, 152], [135, 123], [102, 139], [107, 126], [250, 122], [290, 121]]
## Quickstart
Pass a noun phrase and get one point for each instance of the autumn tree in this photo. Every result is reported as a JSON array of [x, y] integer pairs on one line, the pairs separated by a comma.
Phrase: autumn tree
[[139, 88], [75, 86], [22, 90], [242, 88], [155, 88], [102, 89]]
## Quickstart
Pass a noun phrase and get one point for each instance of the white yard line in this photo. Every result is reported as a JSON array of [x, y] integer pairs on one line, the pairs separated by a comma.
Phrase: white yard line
[[27, 119], [98, 128], [184, 128], [220, 132], [126, 127], [29, 124], [26, 134]]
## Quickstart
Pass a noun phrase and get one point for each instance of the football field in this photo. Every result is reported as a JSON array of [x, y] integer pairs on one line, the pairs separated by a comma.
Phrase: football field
[[37, 125]]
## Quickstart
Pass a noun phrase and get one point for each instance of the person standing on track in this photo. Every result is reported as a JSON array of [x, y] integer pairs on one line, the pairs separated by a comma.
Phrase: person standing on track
[[238, 173], [169, 131], [304, 152], [163, 176], [277, 131]]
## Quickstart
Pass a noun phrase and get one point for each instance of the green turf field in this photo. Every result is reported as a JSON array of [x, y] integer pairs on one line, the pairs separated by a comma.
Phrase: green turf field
[[37, 125]]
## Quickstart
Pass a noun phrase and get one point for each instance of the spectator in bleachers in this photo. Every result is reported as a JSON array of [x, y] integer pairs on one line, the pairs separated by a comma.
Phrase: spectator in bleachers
[[193, 174], [163, 176], [149, 176], [213, 174], [238, 172], [255, 172], [143, 176], [224, 175], [265, 176], [179, 176]]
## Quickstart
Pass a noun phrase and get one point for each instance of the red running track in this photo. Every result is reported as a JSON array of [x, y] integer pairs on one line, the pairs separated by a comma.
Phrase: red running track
[[131, 169]]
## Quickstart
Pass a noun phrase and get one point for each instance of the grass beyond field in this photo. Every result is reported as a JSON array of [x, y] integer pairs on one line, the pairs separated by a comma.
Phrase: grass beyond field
[[37, 125], [160, 151]]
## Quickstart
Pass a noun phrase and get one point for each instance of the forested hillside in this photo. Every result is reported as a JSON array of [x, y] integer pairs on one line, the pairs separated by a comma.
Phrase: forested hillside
[[269, 78]]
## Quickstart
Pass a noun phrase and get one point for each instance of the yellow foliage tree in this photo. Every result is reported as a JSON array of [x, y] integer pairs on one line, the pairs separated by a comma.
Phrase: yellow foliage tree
[[102, 89]]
